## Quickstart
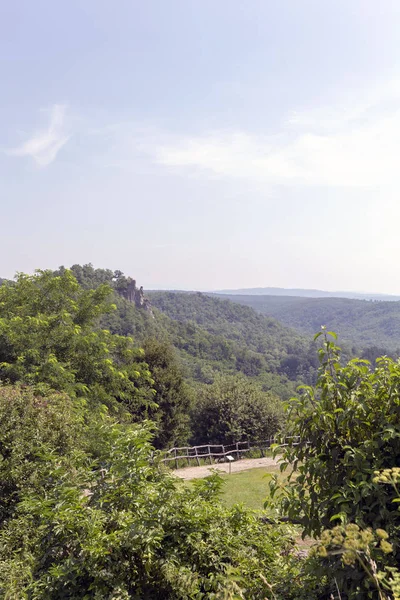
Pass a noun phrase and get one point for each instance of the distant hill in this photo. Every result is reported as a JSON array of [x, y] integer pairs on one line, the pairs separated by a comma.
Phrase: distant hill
[[359, 322], [212, 334], [267, 338], [209, 335], [306, 293]]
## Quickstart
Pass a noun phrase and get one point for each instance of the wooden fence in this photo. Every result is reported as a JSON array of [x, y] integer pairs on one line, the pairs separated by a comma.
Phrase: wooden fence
[[219, 452]]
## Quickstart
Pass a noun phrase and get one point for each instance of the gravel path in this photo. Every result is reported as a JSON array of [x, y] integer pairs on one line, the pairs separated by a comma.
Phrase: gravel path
[[241, 465]]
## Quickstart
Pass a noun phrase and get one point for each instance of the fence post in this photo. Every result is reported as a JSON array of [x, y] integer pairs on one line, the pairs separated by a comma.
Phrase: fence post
[[175, 456]]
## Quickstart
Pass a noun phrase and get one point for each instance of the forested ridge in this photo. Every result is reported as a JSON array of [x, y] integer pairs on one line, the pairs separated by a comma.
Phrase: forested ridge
[[95, 380], [360, 323], [238, 338], [210, 335]]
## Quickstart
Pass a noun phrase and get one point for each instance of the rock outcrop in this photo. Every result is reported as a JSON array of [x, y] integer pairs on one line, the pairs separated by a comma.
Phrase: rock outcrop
[[136, 295]]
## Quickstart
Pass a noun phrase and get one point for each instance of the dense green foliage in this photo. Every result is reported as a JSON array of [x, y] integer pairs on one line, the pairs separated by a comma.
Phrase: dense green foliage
[[209, 335], [349, 429], [173, 395], [228, 337], [31, 428], [49, 338], [360, 323], [99, 519], [234, 409]]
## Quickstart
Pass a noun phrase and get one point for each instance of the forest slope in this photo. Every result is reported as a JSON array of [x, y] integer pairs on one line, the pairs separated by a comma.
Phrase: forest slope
[[358, 322], [211, 335], [235, 335]]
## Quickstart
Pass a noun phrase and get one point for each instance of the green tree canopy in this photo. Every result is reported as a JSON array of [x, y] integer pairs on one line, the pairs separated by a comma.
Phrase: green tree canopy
[[172, 395], [50, 338], [232, 409]]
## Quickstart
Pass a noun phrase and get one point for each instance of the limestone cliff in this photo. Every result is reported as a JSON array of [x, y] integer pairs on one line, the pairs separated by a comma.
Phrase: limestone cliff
[[132, 293]]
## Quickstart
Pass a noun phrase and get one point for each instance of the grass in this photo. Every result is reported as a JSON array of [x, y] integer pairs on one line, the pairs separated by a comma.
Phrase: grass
[[250, 488]]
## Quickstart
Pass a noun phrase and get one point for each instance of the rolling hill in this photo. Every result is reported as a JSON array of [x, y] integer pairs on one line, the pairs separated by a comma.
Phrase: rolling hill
[[307, 293], [210, 335], [357, 322]]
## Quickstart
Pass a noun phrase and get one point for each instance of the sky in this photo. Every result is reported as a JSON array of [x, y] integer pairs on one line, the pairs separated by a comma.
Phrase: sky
[[203, 144]]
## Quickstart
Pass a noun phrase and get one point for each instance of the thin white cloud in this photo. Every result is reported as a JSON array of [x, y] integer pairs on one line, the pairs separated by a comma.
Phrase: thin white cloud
[[44, 145], [355, 145]]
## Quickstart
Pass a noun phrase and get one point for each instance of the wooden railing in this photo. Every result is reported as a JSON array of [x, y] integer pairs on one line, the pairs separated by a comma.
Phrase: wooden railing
[[219, 452]]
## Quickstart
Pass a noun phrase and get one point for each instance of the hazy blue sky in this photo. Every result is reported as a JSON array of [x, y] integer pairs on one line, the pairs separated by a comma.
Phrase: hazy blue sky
[[203, 143]]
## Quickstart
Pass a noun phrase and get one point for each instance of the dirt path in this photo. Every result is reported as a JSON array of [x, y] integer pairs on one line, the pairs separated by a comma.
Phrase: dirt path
[[241, 465]]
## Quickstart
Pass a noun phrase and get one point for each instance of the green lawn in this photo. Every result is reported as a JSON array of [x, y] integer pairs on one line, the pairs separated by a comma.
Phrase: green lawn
[[250, 488]]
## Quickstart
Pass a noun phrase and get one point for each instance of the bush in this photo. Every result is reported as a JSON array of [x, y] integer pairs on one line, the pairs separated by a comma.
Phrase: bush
[[31, 429], [103, 520], [349, 427], [234, 409]]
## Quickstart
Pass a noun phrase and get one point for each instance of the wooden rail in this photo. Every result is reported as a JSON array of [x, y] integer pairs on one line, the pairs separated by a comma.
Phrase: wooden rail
[[219, 452]]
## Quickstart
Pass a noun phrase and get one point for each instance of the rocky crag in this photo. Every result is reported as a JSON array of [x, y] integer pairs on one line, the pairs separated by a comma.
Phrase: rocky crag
[[133, 294]]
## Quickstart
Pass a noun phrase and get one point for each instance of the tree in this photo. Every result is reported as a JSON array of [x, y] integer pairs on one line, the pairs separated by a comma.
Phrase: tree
[[31, 429], [88, 277], [349, 430], [233, 409], [173, 396], [49, 338]]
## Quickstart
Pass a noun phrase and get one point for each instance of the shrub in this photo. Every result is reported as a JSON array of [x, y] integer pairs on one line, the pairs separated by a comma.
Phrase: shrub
[[103, 520], [233, 409]]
